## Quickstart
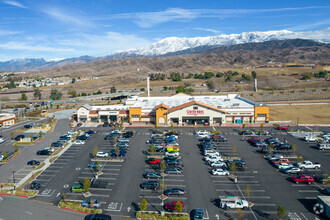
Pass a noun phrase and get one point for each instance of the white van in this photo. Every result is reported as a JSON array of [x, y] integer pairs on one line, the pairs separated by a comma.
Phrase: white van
[[202, 134], [234, 202]]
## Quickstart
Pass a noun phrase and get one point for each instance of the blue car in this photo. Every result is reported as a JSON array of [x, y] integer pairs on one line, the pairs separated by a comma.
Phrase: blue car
[[197, 214], [170, 138], [90, 132], [94, 165], [121, 154], [36, 163]]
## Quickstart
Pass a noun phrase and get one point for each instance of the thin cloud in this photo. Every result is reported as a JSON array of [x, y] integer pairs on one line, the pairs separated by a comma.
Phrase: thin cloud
[[13, 45], [149, 19], [5, 32], [14, 3], [208, 30], [309, 26], [67, 18]]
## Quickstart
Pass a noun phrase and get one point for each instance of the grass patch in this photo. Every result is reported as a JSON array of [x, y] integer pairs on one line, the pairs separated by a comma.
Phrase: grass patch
[[20, 192], [7, 185], [53, 159], [306, 114], [76, 206], [41, 165], [167, 216], [29, 180], [11, 156]]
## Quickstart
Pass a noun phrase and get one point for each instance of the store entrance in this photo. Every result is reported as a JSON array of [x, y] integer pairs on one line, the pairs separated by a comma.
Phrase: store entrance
[[196, 120]]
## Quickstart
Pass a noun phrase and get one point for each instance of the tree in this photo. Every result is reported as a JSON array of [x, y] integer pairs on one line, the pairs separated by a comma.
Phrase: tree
[[33, 164], [143, 204], [113, 89], [23, 97], [73, 80], [294, 148], [40, 133], [172, 126], [243, 126], [162, 186], [152, 148], [37, 93], [178, 206], [98, 165], [165, 88], [72, 93], [270, 149], [4, 154], [15, 147], [239, 213], [117, 151], [86, 184], [300, 158], [254, 74], [162, 166], [248, 191], [233, 167], [12, 134], [96, 149], [210, 85], [262, 128], [55, 94], [234, 149], [63, 195], [281, 212]]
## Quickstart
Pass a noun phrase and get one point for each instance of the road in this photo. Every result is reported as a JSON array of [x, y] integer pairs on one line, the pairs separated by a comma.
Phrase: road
[[13, 208]]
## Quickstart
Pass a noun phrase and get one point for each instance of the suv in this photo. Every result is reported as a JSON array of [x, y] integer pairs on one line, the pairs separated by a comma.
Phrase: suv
[[35, 185], [303, 179], [27, 126], [43, 152], [150, 185]]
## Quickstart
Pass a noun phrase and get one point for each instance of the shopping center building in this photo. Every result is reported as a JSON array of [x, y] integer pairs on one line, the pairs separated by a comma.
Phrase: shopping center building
[[7, 119], [179, 109]]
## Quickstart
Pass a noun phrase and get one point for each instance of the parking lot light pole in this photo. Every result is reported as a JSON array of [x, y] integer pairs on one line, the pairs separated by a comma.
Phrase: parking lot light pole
[[14, 180]]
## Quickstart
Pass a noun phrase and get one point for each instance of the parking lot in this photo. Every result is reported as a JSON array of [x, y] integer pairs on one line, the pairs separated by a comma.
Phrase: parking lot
[[118, 186]]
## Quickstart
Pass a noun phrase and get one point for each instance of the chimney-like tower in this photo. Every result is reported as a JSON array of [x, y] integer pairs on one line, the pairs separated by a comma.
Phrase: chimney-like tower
[[255, 85], [148, 85]]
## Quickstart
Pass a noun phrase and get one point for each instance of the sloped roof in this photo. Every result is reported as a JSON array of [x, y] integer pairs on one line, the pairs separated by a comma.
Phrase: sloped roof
[[92, 112], [194, 103], [87, 106], [162, 105]]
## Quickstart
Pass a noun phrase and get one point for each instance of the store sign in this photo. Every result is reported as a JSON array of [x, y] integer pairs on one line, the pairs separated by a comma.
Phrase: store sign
[[195, 112], [108, 112]]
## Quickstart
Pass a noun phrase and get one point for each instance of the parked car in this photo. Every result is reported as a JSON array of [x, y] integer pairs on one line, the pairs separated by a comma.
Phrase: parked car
[[120, 154], [260, 143], [90, 132], [33, 162], [56, 144], [6, 126], [110, 137], [1, 157], [303, 179], [219, 172], [171, 157], [82, 137], [172, 162], [152, 175], [102, 154], [19, 137], [170, 206], [79, 124], [280, 160], [213, 158], [78, 142], [281, 128], [283, 146], [127, 134], [309, 165], [72, 132], [94, 165], [154, 141], [174, 170], [310, 139], [325, 191], [2, 140], [153, 161], [274, 157], [91, 203], [219, 139], [35, 185], [43, 152], [150, 185], [218, 164], [97, 217], [211, 153], [174, 192], [122, 144], [27, 126], [233, 202], [77, 188], [324, 179], [197, 214], [283, 165], [291, 169]]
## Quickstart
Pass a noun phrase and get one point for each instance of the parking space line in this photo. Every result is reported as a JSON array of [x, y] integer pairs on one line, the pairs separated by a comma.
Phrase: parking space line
[[176, 185], [44, 180], [101, 195], [236, 190], [55, 171], [113, 165], [46, 175], [173, 180], [101, 189], [59, 163], [156, 197], [66, 156], [311, 197], [308, 191], [264, 204], [53, 166], [110, 174], [105, 169], [229, 183], [100, 178]]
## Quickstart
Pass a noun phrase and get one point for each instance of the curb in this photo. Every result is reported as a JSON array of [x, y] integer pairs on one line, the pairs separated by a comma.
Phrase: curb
[[5, 194], [12, 158], [73, 210]]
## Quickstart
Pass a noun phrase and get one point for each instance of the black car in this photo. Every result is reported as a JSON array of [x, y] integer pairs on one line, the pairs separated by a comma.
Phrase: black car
[[154, 141], [152, 175], [79, 124], [35, 185], [110, 137], [57, 144], [174, 192], [219, 139], [43, 152], [128, 134], [19, 137], [170, 157], [283, 146], [150, 185], [65, 137], [172, 162], [27, 126], [33, 162], [82, 137], [97, 217]]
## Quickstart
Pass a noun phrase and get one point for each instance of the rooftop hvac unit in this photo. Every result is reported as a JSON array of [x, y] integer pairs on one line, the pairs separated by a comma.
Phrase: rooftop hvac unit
[[236, 104], [227, 100], [219, 106], [191, 98], [144, 100]]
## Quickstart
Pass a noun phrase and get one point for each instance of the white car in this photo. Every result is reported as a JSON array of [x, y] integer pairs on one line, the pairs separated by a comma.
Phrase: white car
[[172, 153], [116, 131], [283, 165], [1, 157], [218, 164], [310, 139], [274, 157], [212, 153], [2, 140], [79, 142], [72, 132], [213, 158], [102, 154], [219, 172], [51, 149]]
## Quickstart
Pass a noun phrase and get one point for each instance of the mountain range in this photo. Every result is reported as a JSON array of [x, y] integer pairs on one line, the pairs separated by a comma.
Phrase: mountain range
[[177, 46]]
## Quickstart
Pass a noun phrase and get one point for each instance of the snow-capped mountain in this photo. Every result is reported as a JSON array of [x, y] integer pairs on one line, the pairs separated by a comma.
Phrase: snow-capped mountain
[[171, 46], [175, 44]]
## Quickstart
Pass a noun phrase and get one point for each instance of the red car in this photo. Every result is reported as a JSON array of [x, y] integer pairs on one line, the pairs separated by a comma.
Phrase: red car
[[153, 161], [280, 160], [171, 205], [254, 138], [303, 179], [282, 128]]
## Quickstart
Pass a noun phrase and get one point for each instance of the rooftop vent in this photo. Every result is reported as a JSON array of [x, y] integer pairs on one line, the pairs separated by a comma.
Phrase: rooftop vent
[[144, 100], [227, 100], [236, 104]]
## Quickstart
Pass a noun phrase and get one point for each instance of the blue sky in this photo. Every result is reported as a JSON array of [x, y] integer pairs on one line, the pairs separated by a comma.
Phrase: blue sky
[[72, 28]]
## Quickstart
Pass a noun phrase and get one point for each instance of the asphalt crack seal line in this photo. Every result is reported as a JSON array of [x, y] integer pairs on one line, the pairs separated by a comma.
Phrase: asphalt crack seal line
[[246, 200]]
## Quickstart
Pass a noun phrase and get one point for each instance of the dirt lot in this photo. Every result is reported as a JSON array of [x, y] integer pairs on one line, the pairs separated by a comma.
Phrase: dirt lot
[[306, 114]]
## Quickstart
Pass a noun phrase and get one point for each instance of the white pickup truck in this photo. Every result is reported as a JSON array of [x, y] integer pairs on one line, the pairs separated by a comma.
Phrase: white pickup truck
[[323, 146], [310, 139], [309, 165]]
